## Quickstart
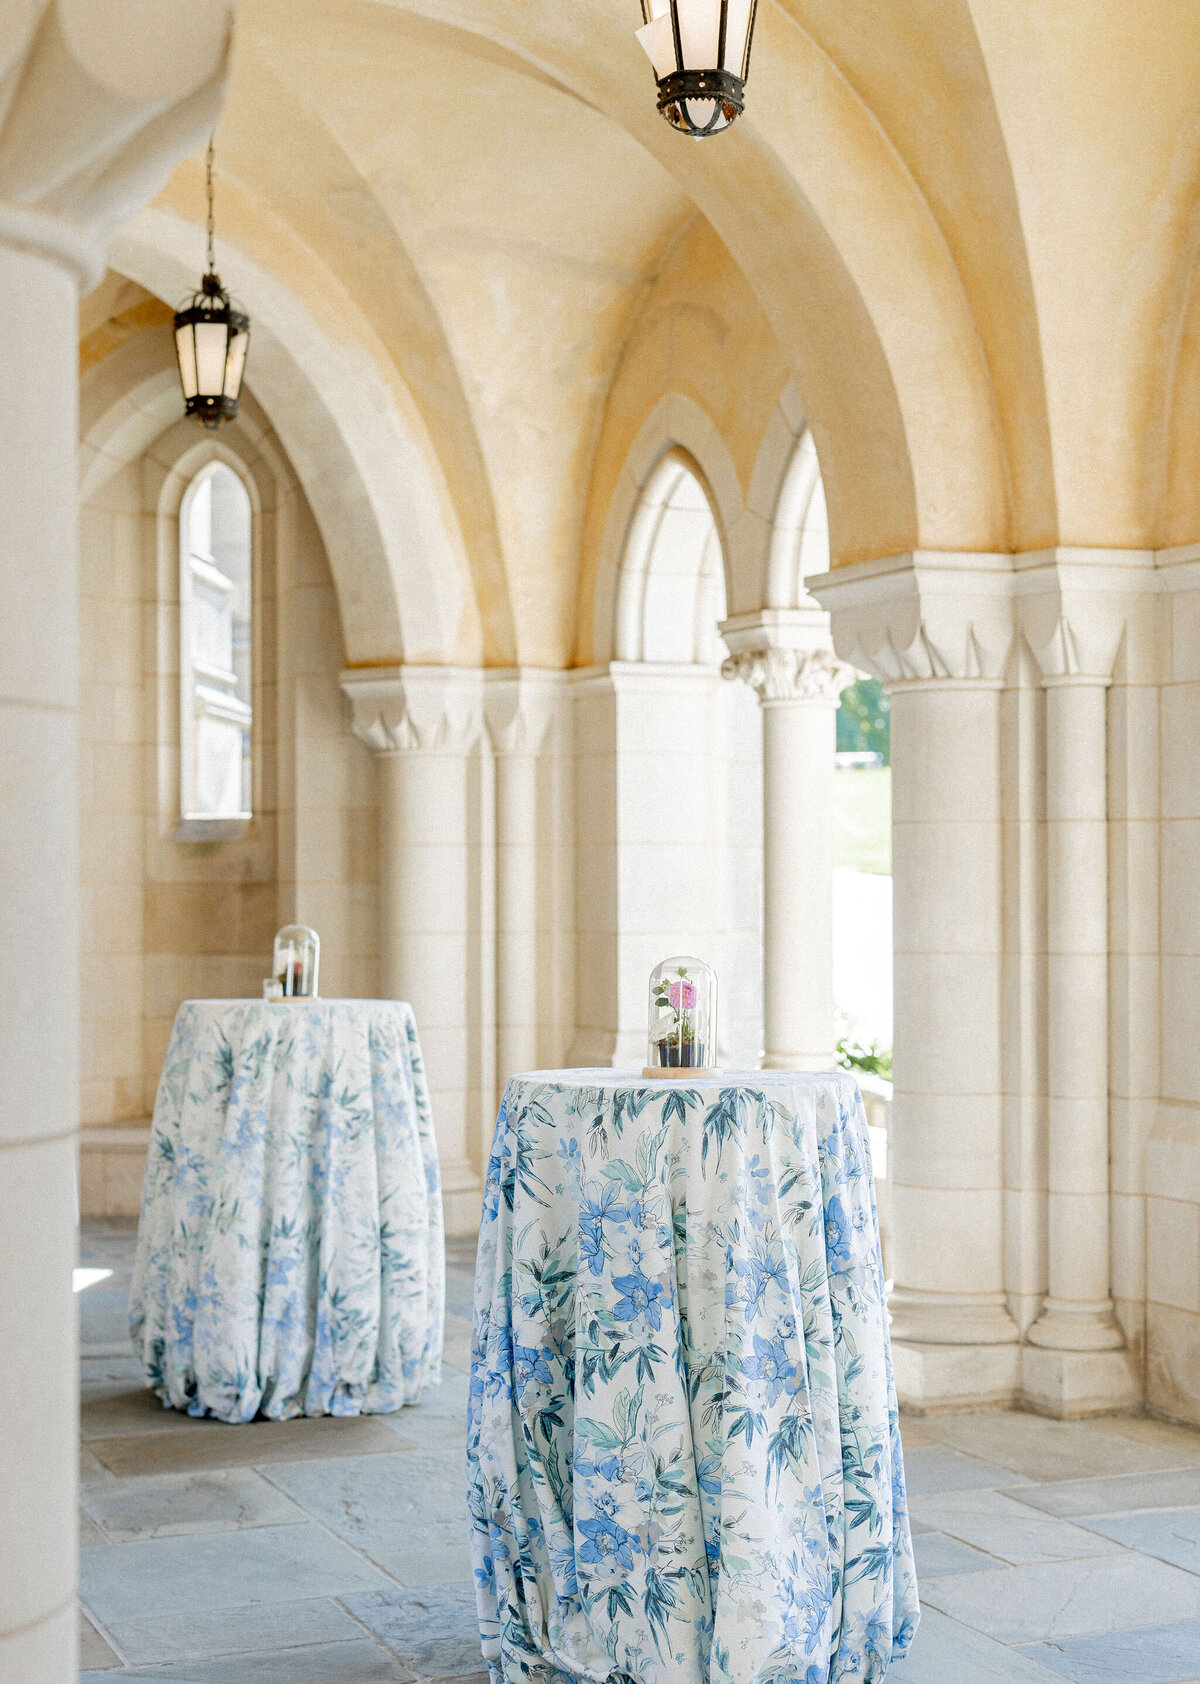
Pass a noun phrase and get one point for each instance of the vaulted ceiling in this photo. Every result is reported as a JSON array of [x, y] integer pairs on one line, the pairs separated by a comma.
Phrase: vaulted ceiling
[[966, 229]]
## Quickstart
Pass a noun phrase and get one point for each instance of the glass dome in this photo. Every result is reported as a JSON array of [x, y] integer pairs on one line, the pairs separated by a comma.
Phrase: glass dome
[[297, 961], [683, 1016]]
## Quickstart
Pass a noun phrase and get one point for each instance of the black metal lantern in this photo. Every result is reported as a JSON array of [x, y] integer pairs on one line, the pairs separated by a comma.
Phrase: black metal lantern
[[700, 50], [211, 340]]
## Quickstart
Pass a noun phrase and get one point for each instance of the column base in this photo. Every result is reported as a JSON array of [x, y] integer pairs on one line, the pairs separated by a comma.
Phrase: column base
[[1071, 1384], [1069, 1326], [951, 1318], [935, 1378]]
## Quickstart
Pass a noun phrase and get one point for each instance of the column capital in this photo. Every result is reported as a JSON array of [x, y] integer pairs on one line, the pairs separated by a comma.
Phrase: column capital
[[520, 705], [926, 615], [785, 655], [414, 710], [790, 675], [1080, 610], [106, 96]]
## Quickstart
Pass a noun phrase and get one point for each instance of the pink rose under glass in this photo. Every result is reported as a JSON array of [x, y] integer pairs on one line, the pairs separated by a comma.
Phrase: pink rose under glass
[[682, 1031]]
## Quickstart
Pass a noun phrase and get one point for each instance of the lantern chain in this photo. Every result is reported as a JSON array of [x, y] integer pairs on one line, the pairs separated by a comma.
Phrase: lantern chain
[[210, 225]]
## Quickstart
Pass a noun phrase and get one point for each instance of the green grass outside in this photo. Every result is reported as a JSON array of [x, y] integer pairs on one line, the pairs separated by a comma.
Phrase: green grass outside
[[862, 807]]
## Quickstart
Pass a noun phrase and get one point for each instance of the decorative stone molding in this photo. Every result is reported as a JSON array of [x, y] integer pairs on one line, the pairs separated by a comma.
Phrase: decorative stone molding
[[105, 97], [406, 710], [784, 655], [924, 616], [1080, 611], [520, 706], [791, 675]]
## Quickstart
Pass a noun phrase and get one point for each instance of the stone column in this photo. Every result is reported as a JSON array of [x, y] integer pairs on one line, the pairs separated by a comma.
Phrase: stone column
[[426, 724], [946, 1147], [938, 630], [785, 658], [101, 104], [520, 709], [1076, 1363]]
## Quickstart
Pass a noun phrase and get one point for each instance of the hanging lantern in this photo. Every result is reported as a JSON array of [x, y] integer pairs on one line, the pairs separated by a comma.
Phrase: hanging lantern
[[700, 50], [211, 340]]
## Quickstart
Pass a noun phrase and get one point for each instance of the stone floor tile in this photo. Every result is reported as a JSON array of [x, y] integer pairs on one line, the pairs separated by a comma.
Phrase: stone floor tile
[[421, 1430], [166, 1504], [104, 1316], [234, 1631], [94, 1652], [935, 1554], [1152, 1655], [1170, 1534], [945, 1652], [1120, 1495], [1067, 1598], [105, 1377], [220, 1570], [1144, 1429], [1054, 1450], [419, 1568], [915, 1432], [90, 1534], [134, 1408], [434, 1630], [937, 1467], [416, 1499], [92, 1472], [212, 1444], [993, 1521], [360, 1662]]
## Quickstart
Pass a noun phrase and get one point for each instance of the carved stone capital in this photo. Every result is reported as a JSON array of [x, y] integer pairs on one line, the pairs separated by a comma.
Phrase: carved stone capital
[[416, 710], [520, 706], [99, 99], [926, 616], [1081, 610], [791, 675]]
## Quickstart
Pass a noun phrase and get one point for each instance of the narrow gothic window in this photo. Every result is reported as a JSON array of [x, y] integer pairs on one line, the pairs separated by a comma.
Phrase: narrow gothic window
[[215, 621]]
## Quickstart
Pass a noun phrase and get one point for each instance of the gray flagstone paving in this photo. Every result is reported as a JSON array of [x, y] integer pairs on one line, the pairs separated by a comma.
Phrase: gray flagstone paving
[[335, 1552]]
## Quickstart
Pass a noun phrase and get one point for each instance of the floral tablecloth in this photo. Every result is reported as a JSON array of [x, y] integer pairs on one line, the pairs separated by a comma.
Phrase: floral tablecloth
[[290, 1257], [683, 1454]]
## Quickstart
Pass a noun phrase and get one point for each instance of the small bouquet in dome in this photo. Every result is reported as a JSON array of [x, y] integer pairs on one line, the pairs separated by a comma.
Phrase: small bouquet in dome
[[683, 1016]]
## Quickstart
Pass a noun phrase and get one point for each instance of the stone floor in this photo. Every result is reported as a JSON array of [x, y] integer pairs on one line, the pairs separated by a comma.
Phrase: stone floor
[[333, 1551]]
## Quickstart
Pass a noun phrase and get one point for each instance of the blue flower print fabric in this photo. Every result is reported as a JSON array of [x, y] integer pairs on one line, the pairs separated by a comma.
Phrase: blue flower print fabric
[[290, 1256], [683, 1454]]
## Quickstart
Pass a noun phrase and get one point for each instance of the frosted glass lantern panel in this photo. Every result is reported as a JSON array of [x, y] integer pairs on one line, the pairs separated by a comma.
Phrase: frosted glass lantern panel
[[297, 963], [215, 647], [683, 1015]]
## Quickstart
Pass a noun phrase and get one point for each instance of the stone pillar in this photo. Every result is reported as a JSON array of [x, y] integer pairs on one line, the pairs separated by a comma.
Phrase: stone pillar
[[938, 630], [520, 709], [787, 661], [100, 104], [426, 724], [946, 1148], [1076, 1363]]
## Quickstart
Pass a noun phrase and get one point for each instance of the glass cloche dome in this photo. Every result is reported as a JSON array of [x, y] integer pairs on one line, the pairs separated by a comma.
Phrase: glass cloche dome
[[683, 1016], [297, 961]]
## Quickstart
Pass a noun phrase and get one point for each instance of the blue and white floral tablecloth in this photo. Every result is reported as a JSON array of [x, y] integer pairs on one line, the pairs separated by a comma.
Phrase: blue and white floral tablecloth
[[290, 1256], [683, 1454]]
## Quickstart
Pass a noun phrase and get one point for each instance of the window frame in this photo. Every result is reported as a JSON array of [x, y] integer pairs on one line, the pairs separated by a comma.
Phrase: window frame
[[192, 826]]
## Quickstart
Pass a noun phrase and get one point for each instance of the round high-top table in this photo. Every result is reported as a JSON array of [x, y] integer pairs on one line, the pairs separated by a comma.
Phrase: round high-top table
[[290, 1255], [683, 1450]]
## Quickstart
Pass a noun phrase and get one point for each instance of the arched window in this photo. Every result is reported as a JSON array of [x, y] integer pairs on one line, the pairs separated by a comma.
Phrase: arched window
[[215, 606], [672, 589]]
